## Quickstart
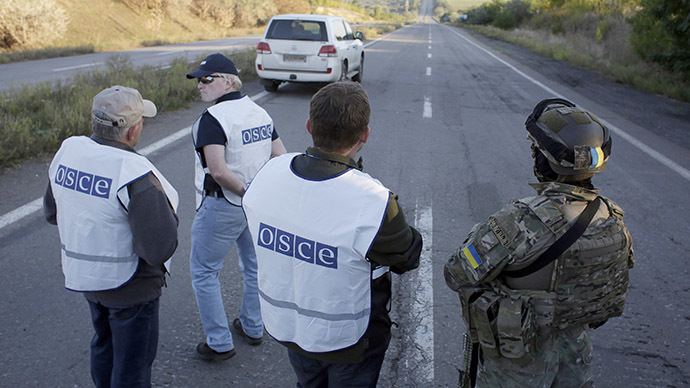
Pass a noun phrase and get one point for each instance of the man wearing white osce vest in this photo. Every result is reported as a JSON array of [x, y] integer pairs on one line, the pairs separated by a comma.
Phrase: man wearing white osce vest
[[325, 244], [118, 228], [233, 138]]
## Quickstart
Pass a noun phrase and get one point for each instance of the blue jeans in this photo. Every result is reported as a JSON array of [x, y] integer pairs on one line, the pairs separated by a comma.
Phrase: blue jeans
[[312, 373], [217, 226], [124, 345]]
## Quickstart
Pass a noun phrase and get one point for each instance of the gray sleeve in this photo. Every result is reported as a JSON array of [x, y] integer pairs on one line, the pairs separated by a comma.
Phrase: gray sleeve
[[49, 208], [152, 220]]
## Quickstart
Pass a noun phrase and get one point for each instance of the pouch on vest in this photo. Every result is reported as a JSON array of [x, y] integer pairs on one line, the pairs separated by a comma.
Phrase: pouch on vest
[[482, 255], [484, 315], [516, 331]]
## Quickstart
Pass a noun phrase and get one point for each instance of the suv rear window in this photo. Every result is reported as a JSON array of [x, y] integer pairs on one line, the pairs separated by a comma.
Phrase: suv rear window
[[297, 30]]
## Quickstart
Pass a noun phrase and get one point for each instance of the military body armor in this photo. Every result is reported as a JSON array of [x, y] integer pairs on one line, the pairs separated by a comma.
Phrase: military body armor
[[589, 280]]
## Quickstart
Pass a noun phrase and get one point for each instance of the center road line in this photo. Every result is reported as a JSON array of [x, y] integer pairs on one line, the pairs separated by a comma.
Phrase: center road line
[[78, 66], [651, 152], [428, 55], [427, 108], [428, 71], [37, 204], [423, 301]]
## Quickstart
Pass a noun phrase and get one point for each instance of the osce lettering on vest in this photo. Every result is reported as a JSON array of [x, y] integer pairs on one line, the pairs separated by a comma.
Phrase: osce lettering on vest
[[257, 134], [83, 182], [298, 247]]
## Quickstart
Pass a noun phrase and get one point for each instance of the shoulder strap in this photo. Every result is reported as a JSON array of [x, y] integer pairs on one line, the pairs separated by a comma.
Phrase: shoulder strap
[[564, 242]]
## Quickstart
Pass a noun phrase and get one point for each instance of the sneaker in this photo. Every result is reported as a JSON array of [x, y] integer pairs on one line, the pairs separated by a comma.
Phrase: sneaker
[[206, 353], [237, 329]]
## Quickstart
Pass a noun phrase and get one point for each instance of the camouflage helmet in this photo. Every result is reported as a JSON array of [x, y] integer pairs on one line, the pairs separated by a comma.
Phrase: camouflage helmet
[[572, 143]]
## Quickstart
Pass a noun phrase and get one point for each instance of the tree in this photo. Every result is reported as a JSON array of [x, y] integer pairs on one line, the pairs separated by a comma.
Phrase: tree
[[661, 33]]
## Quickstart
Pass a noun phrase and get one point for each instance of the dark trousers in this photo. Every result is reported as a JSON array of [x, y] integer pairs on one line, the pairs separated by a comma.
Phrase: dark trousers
[[312, 373], [124, 345]]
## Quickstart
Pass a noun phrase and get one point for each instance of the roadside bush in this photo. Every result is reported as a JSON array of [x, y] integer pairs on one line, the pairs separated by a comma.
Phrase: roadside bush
[[520, 10], [220, 11], [661, 33], [484, 14], [31, 23], [505, 20]]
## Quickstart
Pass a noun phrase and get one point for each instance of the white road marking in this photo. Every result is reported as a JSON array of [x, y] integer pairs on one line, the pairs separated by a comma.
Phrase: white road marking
[[428, 71], [78, 66], [429, 47], [37, 204], [21, 212], [423, 300], [654, 154], [427, 108], [428, 55], [170, 52], [151, 148]]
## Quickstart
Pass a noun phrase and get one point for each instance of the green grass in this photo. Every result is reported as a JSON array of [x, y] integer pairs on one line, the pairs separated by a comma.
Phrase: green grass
[[35, 119]]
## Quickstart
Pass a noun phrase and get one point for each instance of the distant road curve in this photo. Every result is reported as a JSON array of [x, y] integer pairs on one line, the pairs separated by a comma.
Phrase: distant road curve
[[30, 72]]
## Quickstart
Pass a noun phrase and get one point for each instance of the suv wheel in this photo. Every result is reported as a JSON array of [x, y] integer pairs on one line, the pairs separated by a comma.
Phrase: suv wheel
[[358, 77], [272, 87]]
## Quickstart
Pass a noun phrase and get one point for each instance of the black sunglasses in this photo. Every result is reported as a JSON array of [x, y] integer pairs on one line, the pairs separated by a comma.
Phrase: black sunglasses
[[208, 79]]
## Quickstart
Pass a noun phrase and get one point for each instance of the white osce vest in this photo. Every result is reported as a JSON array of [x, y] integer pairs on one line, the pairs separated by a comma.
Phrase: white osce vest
[[311, 240], [249, 130], [89, 182]]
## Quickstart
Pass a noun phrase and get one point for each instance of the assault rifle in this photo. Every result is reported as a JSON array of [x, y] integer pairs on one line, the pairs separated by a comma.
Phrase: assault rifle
[[468, 376]]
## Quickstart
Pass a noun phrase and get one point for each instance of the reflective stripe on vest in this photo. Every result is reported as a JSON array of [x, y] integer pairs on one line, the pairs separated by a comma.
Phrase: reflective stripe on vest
[[248, 129], [311, 240], [88, 181]]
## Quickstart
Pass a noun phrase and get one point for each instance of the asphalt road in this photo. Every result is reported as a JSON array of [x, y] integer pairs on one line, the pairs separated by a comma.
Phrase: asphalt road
[[18, 74], [448, 137]]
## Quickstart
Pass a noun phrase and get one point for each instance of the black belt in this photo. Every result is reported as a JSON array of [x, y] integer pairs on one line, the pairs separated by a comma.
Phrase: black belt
[[216, 194]]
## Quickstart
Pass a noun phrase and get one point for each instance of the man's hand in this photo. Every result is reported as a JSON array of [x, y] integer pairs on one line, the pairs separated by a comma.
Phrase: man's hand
[[215, 159]]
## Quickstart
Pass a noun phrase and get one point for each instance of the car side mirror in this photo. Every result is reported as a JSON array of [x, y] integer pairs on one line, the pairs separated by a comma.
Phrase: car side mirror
[[359, 35]]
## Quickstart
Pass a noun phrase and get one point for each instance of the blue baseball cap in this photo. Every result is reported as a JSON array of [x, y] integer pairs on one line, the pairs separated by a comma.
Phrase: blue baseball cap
[[214, 63]]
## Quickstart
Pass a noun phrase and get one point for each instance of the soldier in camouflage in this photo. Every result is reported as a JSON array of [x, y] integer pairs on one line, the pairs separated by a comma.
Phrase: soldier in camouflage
[[537, 275]]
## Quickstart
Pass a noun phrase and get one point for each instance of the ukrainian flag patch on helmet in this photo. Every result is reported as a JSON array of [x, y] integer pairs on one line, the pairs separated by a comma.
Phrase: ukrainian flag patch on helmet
[[597, 157], [472, 256]]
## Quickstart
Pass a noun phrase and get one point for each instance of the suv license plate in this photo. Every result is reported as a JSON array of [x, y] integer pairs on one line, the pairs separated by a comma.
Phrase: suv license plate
[[294, 58]]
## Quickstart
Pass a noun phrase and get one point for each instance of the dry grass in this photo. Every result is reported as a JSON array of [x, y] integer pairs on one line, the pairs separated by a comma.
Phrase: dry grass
[[463, 5], [611, 56]]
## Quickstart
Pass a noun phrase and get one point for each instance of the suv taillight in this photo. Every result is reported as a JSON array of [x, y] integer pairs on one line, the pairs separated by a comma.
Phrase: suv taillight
[[328, 51], [263, 48]]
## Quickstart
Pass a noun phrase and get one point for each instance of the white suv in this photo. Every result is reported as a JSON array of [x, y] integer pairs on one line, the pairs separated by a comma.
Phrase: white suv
[[309, 48]]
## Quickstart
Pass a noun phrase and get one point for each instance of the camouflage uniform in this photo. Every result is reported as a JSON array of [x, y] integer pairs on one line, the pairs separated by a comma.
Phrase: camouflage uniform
[[533, 331]]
